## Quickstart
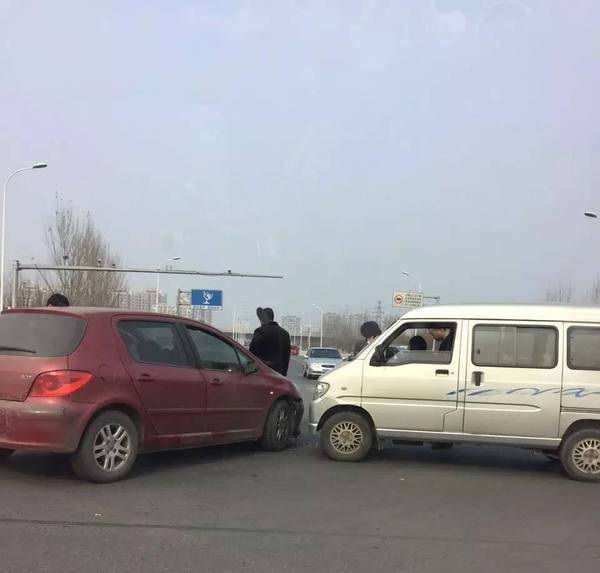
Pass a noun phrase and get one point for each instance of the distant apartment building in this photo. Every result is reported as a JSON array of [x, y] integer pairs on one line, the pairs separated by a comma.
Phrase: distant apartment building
[[291, 324], [195, 313], [144, 300], [332, 323]]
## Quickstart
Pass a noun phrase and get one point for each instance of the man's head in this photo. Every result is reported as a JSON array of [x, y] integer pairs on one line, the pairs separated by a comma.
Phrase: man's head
[[370, 330], [265, 315], [57, 299], [438, 333]]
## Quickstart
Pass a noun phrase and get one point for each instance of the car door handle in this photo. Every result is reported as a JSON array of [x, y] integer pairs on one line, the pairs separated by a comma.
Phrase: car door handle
[[477, 377], [216, 382], [145, 378], [442, 372]]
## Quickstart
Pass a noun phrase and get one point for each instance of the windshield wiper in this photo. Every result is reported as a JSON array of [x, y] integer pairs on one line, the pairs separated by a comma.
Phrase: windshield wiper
[[17, 349]]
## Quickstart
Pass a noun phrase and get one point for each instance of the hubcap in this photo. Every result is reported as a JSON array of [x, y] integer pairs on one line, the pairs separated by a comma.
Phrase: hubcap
[[346, 437], [112, 447], [586, 456], [282, 426]]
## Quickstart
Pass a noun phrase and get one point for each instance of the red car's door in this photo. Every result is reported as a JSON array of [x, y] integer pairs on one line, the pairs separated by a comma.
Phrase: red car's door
[[236, 402], [171, 388]]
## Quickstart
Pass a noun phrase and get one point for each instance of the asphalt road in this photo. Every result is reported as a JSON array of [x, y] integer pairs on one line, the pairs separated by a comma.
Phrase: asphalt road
[[236, 508]]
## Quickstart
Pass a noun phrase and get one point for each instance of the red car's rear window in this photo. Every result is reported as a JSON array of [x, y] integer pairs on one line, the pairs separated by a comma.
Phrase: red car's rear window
[[40, 334]]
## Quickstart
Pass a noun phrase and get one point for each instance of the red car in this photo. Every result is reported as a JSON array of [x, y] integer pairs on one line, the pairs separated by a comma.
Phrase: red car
[[104, 384]]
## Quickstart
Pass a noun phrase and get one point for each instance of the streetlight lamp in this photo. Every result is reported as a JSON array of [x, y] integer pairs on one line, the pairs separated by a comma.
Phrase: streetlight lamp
[[322, 311], [591, 214], [158, 279], [34, 166]]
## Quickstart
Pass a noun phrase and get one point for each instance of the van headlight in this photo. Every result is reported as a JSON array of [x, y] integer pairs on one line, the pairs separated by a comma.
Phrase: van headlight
[[320, 390]]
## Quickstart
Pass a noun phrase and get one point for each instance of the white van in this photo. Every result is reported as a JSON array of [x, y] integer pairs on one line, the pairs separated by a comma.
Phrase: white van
[[521, 375]]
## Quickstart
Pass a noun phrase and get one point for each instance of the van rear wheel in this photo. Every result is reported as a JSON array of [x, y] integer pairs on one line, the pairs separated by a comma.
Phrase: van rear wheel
[[4, 453], [346, 437], [580, 455], [108, 448]]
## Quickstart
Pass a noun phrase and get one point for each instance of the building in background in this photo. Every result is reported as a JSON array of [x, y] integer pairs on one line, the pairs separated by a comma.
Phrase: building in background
[[144, 300], [332, 323], [292, 324]]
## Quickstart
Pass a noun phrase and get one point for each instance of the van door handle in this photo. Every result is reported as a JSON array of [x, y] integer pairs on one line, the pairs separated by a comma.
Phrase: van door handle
[[477, 377], [442, 372], [216, 382], [145, 378]]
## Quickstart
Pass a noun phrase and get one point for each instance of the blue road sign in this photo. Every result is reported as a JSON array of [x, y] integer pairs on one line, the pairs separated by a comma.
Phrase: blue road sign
[[209, 299]]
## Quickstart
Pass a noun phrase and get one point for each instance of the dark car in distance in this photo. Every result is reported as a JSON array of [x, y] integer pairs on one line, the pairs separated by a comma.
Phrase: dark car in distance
[[103, 385]]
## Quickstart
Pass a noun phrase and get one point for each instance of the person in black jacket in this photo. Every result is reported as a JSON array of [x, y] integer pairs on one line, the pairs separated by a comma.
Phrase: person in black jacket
[[57, 299], [271, 342], [370, 331]]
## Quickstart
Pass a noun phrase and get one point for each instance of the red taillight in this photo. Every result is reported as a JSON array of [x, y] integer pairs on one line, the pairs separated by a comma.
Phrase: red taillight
[[58, 383]]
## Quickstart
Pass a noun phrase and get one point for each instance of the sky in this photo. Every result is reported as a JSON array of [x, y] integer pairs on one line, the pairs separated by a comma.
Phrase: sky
[[337, 143]]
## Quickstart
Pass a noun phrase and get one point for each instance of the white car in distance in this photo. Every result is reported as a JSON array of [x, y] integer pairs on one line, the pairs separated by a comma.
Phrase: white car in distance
[[321, 360]]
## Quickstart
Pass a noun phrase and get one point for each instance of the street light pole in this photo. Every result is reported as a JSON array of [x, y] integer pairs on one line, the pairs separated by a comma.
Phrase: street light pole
[[407, 274], [158, 279], [34, 166], [322, 311]]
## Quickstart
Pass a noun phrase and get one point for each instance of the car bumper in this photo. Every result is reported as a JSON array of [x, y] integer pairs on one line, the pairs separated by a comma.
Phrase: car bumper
[[320, 372], [316, 410], [49, 425]]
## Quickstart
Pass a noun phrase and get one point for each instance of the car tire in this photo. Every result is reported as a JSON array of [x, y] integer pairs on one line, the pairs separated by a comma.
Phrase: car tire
[[278, 427], [4, 453], [108, 448], [346, 437], [580, 455]]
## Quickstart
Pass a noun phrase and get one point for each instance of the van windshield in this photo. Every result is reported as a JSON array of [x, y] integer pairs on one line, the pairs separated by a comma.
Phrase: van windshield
[[40, 334]]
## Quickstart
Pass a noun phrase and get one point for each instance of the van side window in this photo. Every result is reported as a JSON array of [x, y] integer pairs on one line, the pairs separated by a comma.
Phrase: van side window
[[418, 343], [515, 346], [583, 351]]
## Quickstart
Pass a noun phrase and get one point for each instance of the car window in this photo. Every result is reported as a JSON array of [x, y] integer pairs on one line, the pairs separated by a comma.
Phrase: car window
[[583, 351], [214, 352], [417, 343], [243, 358], [39, 334], [154, 342], [324, 353], [515, 346]]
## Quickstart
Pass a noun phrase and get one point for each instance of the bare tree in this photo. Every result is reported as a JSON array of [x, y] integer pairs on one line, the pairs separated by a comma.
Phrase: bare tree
[[593, 296], [561, 293], [74, 240]]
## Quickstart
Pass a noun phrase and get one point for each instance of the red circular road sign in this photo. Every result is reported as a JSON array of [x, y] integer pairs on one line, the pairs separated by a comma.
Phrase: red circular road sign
[[398, 298]]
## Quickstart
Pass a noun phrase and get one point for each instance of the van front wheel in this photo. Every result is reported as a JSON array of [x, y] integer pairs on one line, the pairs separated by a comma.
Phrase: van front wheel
[[346, 437], [580, 455]]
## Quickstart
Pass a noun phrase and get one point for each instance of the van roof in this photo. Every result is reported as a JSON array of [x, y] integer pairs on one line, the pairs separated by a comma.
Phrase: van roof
[[547, 312]]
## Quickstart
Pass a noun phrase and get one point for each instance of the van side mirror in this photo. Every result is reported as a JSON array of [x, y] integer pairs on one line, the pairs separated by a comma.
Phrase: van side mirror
[[251, 368]]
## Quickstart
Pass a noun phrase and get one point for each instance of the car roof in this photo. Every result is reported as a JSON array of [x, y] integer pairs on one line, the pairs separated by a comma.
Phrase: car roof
[[547, 312], [87, 311]]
